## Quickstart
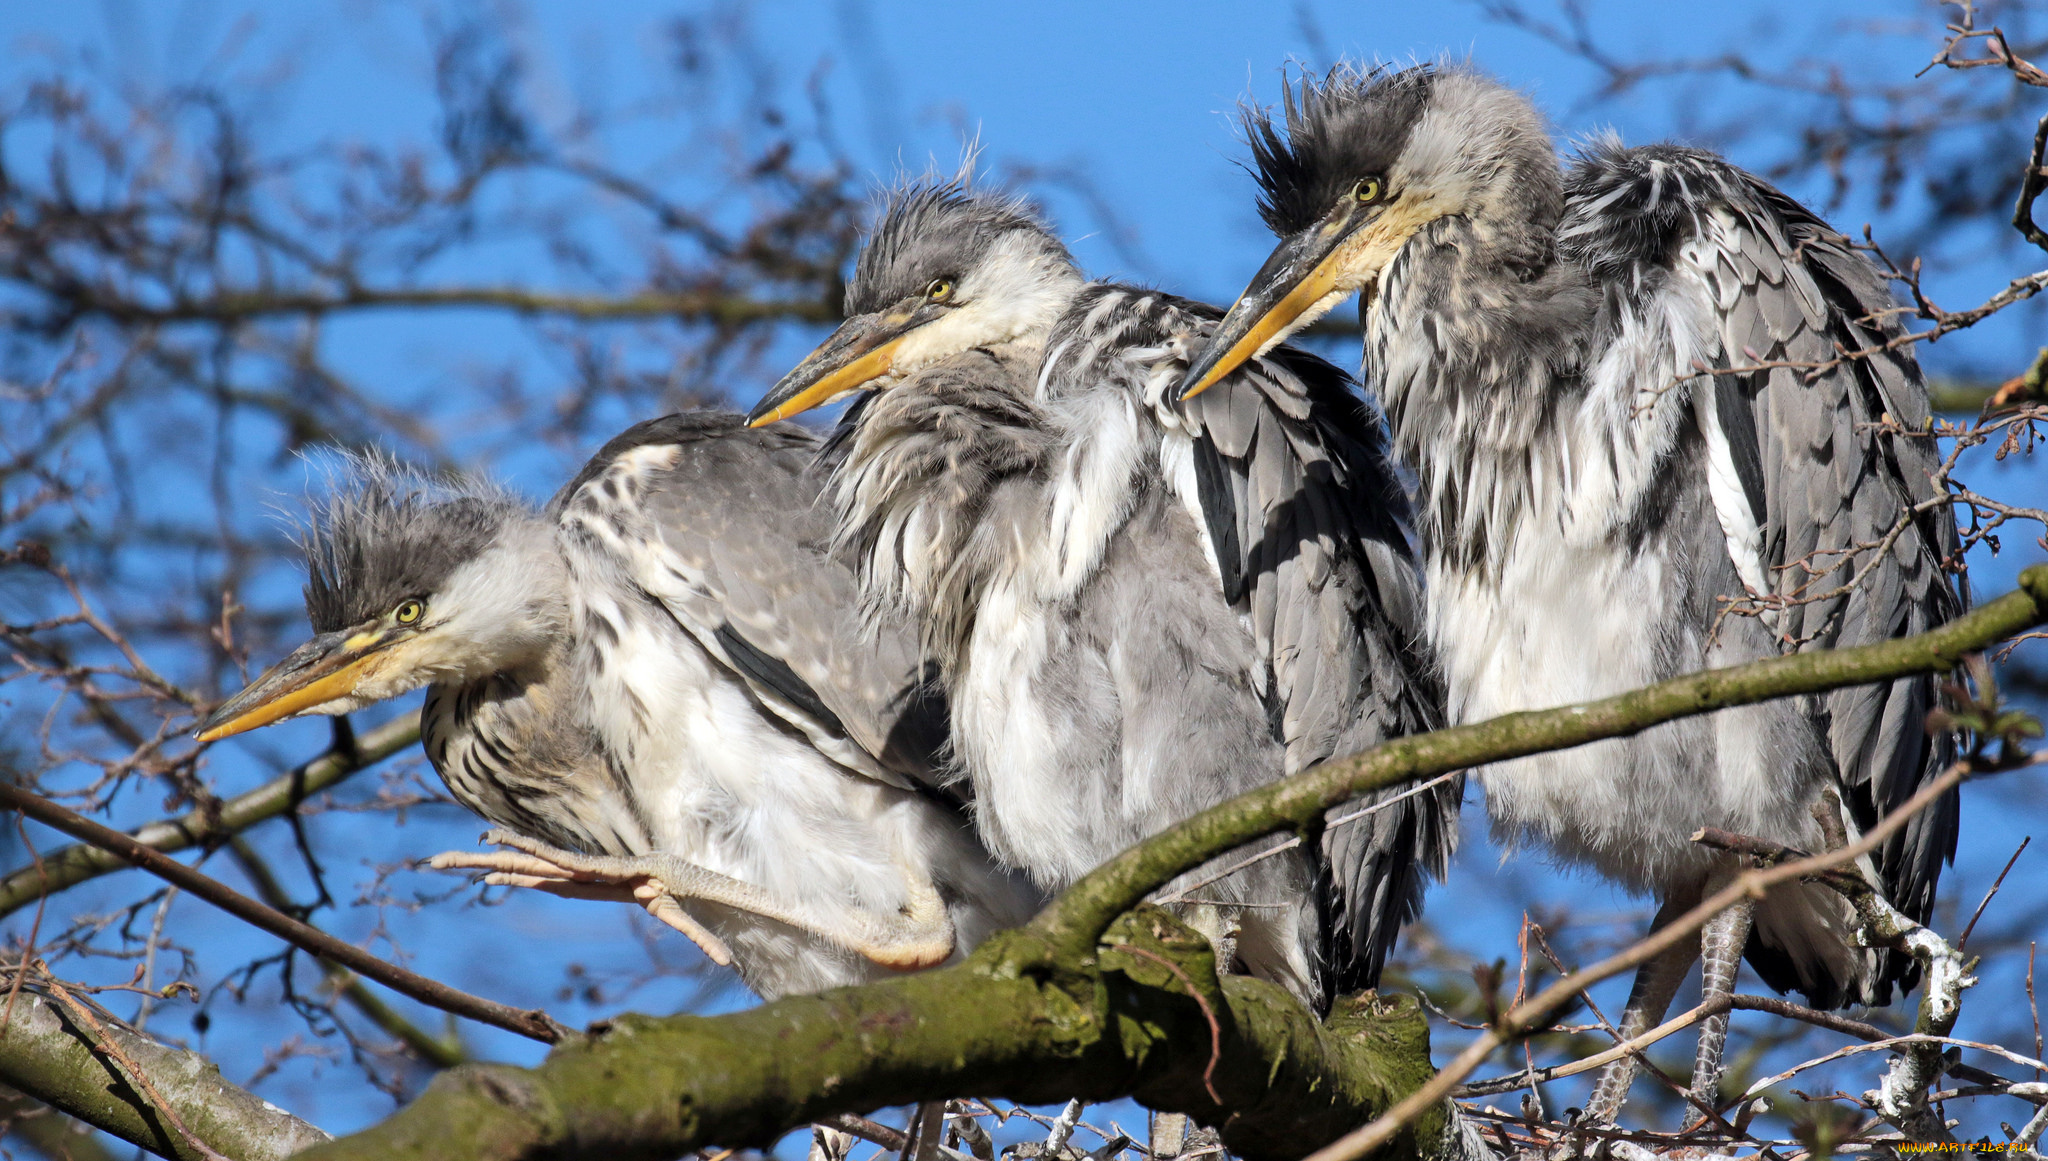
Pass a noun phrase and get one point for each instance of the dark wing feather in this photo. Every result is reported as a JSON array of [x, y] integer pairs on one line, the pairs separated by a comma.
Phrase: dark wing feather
[[1850, 529], [1306, 520], [740, 554]]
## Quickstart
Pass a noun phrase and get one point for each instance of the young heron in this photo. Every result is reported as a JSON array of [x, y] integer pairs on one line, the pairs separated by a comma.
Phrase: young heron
[[1659, 427], [661, 687], [1140, 609]]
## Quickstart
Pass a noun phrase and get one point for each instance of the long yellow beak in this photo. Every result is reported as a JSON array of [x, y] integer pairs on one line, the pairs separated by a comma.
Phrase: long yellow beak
[[1298, 283], [1270, 328], [836, 380], [328, 667], [861, 351]]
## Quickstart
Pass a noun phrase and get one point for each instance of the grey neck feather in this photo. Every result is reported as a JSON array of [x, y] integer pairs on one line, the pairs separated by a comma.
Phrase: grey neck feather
[[920, 472], [1477, 340]]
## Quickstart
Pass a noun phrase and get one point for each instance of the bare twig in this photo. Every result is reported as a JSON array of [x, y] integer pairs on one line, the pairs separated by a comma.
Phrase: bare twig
[[532, 1023], [1963, 940], [1527, 1016], [69, 866]]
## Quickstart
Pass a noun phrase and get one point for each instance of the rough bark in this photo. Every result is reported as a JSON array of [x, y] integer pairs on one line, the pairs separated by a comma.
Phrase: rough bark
[[48, 1054], [1011, 1021], [52, 1135], [1060, 1008]]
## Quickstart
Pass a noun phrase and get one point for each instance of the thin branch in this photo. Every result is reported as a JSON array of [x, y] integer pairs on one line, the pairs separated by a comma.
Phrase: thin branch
[[1963, 940], [1526, 1017], [434, 1050], [1075, 920], [531, 1023], [1531, 1077], [69, 866], [134, 1073], [720, 307]]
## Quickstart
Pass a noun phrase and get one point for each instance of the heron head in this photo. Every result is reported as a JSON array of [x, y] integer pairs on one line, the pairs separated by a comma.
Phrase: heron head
[[1359, 163], [946, 270], [409, 581]]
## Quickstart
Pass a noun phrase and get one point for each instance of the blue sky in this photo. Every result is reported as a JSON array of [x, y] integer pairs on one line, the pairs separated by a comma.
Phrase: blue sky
[[1138, 98]]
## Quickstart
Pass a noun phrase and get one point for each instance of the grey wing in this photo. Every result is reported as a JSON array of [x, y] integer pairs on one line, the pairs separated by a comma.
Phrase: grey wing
[[1302, 472], [1306, 520], [739, 553], [1836, 523]]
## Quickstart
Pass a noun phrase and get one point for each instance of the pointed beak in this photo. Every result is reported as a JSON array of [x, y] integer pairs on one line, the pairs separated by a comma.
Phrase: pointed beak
[[328, 667], [862, 350], [1299, 283]]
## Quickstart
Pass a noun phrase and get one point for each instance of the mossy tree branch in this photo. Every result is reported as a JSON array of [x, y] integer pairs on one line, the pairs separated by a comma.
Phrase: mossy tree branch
[[48, 1054], [1057, 1010], [1010, 1021]]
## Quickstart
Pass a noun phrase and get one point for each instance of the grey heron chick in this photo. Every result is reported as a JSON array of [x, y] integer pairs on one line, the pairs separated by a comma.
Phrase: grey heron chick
[[1661, 425], [1140, 609], [661, 686]]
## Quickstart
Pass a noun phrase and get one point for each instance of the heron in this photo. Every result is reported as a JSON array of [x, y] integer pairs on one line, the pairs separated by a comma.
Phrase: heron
[[660, 688], [1139, 609], [1661, 421]]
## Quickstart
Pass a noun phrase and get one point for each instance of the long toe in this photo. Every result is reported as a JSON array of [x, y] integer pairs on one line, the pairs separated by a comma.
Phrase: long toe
[[665, 908], [507, 862]]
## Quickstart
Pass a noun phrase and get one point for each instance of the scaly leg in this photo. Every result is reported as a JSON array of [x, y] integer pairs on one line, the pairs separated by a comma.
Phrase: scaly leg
[[1721, 944], [920, 936], [1656, 982]]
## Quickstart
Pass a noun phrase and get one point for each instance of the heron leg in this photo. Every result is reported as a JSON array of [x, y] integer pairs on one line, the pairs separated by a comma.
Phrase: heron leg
[[1656, 983], [919, 936], [1721, 944]]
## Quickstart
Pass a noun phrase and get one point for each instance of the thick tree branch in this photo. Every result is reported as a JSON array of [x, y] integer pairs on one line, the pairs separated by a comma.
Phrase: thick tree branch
[[1010, 1021], [69, 866], [532, 1023], [26, 1120], [1048, 1012], [47, 1053]]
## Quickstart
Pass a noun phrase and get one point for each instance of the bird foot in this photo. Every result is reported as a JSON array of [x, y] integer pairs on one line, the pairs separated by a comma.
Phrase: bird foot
[[654, 882]]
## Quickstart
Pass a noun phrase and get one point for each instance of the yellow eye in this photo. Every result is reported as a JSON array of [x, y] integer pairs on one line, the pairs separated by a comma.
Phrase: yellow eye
[[940, 290], [407, 612], [1367, 190]]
